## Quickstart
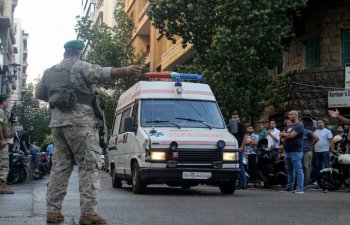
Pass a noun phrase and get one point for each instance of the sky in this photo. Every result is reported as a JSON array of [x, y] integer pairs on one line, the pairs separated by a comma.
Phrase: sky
[[49, 24]]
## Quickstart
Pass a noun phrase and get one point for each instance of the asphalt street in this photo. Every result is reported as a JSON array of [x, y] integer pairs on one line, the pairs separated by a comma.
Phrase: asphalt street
[[164, 205]]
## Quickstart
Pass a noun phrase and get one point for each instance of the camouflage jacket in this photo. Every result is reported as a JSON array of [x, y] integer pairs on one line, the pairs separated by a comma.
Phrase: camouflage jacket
[[83, 76]]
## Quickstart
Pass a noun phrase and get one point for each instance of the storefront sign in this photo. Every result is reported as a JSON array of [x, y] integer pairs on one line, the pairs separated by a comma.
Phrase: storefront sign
[[347, 76], [339, 99]]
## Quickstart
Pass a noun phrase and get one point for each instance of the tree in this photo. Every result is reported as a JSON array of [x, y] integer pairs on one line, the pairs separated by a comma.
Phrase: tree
[[28, 111], [111, 46], [236, 43]]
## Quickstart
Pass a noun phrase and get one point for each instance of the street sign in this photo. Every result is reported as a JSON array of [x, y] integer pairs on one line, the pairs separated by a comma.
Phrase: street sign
[[339, 99]]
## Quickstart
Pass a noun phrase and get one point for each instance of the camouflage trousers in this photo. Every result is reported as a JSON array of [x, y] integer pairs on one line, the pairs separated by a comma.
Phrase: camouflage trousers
[[4, 163], [80, 145]]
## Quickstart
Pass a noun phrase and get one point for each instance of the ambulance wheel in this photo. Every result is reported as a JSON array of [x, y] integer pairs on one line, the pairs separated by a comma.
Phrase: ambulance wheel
[[116, 182], [138, 186], [228, 187]]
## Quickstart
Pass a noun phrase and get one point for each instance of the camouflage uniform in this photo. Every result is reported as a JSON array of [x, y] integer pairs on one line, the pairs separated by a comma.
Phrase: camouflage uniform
[[4, 153], [75, 136]]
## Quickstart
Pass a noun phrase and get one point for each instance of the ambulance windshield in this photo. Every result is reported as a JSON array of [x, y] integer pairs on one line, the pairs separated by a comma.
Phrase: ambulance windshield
[[181, 113]]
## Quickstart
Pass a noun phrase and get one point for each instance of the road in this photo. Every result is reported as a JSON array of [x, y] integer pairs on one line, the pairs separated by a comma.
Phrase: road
[[163, 205]]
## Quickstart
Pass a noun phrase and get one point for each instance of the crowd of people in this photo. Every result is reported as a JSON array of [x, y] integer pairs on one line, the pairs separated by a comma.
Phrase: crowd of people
[[305, 151]]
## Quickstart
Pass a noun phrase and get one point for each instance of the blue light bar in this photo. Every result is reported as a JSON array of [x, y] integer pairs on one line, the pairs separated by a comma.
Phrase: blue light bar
[[186, 76]]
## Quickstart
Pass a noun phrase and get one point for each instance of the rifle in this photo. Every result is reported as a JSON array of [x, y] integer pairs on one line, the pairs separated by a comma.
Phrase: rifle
[[99, 108]]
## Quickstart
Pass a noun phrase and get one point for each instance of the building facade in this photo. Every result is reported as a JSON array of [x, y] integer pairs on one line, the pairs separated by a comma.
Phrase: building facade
[[21, 60], [315, 60], [160, 53], [7, 46]]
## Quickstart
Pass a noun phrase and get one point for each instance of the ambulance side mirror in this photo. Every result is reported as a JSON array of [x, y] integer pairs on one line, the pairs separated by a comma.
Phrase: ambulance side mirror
[[233, 125], [129, 125]]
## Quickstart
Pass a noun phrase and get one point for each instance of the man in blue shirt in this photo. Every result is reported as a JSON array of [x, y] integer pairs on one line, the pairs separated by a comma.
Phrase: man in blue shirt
[[293, 146], [49, 149]]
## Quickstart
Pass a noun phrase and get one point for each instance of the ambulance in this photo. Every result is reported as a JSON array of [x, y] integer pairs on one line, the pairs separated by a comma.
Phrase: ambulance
[[173, 133]]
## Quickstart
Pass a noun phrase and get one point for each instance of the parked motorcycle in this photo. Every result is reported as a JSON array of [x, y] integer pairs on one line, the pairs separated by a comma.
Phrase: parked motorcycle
[[338, 173], [271, 172], [44, 166], [18, 168]]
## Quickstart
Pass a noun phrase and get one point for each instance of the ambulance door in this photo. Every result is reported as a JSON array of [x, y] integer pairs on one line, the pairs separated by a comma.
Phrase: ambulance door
[[115, 153], [131, 141], [122, 138]]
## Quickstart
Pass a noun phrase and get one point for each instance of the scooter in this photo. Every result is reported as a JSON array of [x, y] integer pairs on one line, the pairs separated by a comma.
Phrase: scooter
[[18, 168], [338, 174], [271, 171]]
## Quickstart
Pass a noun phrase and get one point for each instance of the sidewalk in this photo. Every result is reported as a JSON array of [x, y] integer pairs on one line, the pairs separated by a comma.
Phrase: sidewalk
[[28, 205]]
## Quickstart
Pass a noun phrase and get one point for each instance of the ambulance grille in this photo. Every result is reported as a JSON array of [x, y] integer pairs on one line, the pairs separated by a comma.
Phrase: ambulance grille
[[196, 156]]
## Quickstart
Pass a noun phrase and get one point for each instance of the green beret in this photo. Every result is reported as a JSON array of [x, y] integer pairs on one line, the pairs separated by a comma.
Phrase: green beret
[[75, 44], [2, 95]]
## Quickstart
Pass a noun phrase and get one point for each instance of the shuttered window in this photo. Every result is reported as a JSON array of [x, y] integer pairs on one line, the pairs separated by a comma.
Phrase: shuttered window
[[345, 46], [312, 52]]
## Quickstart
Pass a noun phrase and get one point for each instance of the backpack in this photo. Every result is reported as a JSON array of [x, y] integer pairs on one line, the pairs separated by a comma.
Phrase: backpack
[[58, 84], [56, 88]]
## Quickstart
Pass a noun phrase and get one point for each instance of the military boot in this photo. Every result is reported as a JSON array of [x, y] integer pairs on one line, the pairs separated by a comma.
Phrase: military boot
[[54, 217], [92, 219], [4, 189]]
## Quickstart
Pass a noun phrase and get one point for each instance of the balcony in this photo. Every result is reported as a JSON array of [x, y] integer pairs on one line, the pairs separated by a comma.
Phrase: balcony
[[176, 54]]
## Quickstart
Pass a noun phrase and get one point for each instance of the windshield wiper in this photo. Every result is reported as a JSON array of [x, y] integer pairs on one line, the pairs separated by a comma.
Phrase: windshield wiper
[[194, 120], [163, 121]]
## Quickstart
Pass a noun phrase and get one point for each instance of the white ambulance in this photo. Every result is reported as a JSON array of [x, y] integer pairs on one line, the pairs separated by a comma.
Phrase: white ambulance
[[171, 132]]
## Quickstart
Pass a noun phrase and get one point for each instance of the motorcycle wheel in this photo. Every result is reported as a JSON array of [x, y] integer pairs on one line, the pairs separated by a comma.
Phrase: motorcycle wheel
[[281, 178], [23, 174], [14, 176], [37, 175], [327, 182]]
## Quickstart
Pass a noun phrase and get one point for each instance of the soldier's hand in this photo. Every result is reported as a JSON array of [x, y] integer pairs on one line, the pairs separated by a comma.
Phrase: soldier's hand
[[133, 70]]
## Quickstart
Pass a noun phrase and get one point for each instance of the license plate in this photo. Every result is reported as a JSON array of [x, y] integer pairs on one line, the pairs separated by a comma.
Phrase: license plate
[[196, 175]]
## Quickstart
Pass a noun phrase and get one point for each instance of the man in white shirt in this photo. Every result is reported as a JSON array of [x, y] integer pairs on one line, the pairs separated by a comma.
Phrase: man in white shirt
[[273, 138], [322, 147]]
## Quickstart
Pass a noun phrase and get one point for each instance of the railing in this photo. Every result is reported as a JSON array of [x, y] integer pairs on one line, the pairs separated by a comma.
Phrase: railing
[[143, 11]]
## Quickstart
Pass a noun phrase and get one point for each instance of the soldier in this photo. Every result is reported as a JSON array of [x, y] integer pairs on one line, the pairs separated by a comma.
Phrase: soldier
[[4, 152], [70, 89]]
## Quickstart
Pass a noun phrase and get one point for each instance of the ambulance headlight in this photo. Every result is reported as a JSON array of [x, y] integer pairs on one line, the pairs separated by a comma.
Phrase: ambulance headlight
[[229, 156], [158, 156]]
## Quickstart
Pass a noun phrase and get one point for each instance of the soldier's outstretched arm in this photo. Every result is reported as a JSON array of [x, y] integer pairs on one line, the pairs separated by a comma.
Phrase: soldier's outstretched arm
[[132, 70]]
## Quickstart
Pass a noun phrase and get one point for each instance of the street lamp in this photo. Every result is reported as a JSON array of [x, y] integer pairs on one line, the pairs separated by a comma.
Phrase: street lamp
[[9, 77]]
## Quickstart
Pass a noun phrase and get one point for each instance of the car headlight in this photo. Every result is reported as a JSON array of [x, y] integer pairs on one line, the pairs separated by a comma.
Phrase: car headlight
[[158, 156], [229, 156]]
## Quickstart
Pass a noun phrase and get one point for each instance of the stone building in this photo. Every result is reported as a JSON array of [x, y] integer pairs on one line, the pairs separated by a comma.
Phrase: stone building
[[315, 60]]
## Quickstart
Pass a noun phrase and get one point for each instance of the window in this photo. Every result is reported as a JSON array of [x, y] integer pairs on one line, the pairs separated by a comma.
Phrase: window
[[183, 113], [116, 123], [312, 52], [125, 114], [345, 46]]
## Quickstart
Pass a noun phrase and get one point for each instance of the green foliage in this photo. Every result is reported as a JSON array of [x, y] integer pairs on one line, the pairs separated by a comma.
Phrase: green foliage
[[28, 111], [111, 104], [110, 46], [236, 43]]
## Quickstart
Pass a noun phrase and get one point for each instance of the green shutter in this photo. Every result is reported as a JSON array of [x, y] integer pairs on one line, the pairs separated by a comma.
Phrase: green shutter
[[312, 52], [345, 46]]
